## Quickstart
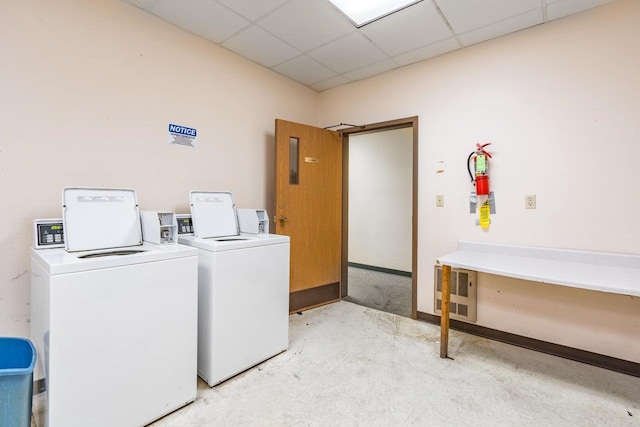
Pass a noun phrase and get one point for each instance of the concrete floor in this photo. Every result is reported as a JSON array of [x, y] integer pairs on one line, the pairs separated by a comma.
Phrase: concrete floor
[[349, 365], [382, 291]]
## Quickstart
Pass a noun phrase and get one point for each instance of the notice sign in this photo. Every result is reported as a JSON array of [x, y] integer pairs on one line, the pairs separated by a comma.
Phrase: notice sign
[[182, 135]]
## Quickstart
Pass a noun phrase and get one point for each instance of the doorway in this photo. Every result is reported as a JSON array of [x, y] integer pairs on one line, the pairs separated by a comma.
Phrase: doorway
[[379, 262]]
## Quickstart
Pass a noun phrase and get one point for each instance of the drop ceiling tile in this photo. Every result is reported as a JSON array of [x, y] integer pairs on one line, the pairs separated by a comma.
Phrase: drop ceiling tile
[[306, 24], [330, 83], [252, 9], [276, 33], [498, 29], [416, 26], [371, 70], [560, 8], [259, 46], [431, 51], [205, 18], [467, 15], [304, 70], [348, 53]]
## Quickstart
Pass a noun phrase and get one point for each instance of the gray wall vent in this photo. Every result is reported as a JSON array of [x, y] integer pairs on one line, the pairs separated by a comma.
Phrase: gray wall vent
[[464, 300]]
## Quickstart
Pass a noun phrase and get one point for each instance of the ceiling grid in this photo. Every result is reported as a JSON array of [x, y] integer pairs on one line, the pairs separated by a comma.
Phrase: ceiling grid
[[313, 43]]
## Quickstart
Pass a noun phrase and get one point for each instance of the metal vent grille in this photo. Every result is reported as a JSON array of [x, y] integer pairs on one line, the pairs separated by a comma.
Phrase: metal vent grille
[[464, 301]]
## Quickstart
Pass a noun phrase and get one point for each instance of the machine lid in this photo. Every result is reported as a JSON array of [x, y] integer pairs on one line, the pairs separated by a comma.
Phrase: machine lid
[[213, 214], [100, 218], [232, 243], [58, 261]]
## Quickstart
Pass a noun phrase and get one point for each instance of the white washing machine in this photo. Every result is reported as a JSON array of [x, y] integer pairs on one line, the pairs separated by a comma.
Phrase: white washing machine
[[114, 319], [243, 289]]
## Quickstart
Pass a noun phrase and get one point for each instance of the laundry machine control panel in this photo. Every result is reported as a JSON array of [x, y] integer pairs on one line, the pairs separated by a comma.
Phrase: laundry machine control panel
[[185, 224], [48, 233]]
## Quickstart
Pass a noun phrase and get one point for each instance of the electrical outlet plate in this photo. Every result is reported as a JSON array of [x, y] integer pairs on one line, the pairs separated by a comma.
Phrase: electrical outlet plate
[[440, 200], [530, 201]]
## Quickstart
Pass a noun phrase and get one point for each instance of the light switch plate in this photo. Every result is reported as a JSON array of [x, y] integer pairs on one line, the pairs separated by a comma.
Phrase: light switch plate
[[439, 200]]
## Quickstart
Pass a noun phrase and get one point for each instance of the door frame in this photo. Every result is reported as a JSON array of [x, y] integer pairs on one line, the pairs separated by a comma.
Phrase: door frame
[[379, 127]]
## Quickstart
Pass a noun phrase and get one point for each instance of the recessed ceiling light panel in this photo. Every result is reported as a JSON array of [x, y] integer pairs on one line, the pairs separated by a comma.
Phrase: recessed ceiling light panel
[[362, 12]]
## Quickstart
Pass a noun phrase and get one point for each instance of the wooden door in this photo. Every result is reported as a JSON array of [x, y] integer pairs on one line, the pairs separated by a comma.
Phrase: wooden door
[[309, 210]]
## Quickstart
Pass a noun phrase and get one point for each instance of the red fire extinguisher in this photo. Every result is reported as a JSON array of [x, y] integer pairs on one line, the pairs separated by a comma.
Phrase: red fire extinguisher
[[481, 169]]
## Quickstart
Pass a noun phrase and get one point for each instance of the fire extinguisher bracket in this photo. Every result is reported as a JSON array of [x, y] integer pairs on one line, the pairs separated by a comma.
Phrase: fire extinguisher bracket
[[473, 203]]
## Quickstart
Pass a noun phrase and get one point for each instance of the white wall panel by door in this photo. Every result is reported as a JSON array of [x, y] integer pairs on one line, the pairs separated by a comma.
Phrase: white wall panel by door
[[380, 198]]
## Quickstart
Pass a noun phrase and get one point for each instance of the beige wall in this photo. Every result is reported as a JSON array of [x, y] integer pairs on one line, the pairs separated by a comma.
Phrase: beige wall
[[380, 198], [88, 89], [561, 104]]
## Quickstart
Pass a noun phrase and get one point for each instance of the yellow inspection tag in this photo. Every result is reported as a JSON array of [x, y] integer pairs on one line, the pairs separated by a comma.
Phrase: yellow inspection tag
[[485, 215]]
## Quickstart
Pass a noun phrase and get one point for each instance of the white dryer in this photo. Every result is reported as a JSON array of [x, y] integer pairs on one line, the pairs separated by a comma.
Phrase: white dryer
[[113, 319], [243, 290]]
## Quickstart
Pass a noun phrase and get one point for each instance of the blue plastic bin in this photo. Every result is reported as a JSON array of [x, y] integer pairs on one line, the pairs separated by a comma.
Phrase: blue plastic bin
[[17, 360]]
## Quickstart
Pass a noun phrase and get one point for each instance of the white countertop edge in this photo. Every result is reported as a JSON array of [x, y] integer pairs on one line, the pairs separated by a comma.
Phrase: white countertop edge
[[610, 277]]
